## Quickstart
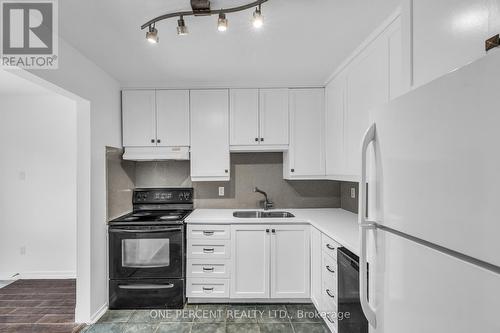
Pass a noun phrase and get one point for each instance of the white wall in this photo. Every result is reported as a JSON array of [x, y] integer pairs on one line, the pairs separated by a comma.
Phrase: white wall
[[38, 186], [78, 75]]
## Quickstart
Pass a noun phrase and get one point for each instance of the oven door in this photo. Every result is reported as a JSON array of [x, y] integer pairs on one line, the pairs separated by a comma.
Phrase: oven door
[[138, 252]]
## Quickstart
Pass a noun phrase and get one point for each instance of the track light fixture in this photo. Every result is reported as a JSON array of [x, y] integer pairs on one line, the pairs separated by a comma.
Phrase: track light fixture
[[152, 35], [181, 27], [202, 8], [222, 22], [258, 19]]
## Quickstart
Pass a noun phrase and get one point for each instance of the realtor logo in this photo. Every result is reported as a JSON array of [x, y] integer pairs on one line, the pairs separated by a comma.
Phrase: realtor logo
[[29, 33]]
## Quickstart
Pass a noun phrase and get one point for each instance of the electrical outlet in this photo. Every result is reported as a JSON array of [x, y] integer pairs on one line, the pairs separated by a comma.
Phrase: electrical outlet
[[22, 175], [353, 193], [221, 191], [22, 250]]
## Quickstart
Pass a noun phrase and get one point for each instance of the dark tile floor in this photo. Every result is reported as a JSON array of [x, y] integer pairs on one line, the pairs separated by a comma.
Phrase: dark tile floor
[[38, 306], [213, 318]]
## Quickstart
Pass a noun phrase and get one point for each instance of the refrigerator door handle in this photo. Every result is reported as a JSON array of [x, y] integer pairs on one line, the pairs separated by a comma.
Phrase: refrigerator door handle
[[364, 226], [367, 139]]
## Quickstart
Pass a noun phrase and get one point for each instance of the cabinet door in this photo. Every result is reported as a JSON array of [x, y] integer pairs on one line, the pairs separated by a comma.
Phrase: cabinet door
[[209, 135], [138, 116], [334, 124], [316, 268], [172, 117], [447, 34], [368, 86], [290, 260], [306, 155], [250, 261], [273, 116], [244, 117]]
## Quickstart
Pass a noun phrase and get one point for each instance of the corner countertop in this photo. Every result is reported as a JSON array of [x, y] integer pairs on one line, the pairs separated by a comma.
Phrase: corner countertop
[[336, 223]]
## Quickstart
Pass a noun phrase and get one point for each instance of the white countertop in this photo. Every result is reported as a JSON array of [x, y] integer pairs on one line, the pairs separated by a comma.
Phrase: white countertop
[[336, 223]]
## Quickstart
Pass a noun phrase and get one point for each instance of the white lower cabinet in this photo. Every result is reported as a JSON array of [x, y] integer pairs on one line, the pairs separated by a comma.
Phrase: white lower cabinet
[[324, 283], [207, 288], [270, 261], [316, 267], [290, 259], [208, 261], [250, 273]]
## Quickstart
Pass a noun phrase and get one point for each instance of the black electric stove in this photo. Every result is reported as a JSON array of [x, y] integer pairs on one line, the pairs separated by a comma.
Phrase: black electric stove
[[147, 251]]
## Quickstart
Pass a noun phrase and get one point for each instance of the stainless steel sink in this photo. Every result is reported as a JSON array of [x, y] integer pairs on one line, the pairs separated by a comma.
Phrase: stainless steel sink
[[253, 214]]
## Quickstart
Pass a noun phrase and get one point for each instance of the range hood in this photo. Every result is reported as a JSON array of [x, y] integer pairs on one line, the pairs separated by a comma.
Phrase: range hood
[[156, 153]]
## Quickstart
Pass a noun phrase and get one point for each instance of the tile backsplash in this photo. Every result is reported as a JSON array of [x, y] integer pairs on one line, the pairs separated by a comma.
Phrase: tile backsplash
[[346, 201], [120, 179], [248, 170], [264, 170]]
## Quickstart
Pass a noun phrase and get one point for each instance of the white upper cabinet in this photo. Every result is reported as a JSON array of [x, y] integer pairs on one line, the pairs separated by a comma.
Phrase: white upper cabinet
[[210, 135], [372, 77], [155, 118], [244, 116], [290, 261], [259, 119], [172, 117], [306, 155], [273, 106], [367, 87], [335, 93], [448, 34], [139, 118]]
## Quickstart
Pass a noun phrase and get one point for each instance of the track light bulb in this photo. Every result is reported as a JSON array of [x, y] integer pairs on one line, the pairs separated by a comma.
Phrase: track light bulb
[[152, 35], [222, 22], [258, 19], [181, 27]]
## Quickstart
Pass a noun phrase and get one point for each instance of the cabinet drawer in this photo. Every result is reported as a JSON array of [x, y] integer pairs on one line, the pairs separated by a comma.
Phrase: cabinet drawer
[[209, 231], [331, 320], [210, 288], [329, 267], [329, 283], [208, 249], [329, 246], [208, 268]]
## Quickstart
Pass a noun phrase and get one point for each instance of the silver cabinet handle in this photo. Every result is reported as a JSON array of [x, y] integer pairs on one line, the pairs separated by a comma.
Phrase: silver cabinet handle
[[328, 293], [146, 286], [208, 233], [330, 319], [329, 269], [211, 250], [208, 269], [328, 246], [208, 289], [139, 231]]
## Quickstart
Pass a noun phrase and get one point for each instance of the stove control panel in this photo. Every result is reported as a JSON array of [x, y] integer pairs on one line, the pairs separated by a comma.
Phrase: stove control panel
[[167, 196]]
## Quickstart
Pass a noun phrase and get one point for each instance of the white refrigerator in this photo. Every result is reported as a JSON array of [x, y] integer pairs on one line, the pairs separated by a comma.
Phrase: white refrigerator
[[432, 235]]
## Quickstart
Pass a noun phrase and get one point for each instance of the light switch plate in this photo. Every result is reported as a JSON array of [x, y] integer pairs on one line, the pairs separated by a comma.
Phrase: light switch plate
[[353, 193], [221, 191]]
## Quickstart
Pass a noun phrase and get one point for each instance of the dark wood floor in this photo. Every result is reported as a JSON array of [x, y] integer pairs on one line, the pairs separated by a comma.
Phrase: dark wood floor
[[38, 306]]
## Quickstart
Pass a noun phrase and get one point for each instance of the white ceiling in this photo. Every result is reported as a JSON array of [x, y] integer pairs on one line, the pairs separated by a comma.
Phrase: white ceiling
[[301, 43]]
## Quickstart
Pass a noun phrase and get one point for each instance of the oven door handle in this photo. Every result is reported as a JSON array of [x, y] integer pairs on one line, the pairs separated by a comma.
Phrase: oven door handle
[[146, 286], [139, 231]]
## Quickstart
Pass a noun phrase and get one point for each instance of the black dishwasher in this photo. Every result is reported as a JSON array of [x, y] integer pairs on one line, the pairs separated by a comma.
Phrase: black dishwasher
[[349, 306]]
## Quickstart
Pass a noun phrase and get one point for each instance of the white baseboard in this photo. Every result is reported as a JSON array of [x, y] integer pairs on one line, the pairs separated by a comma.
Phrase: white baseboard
[[38, 275], [98, 314]]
